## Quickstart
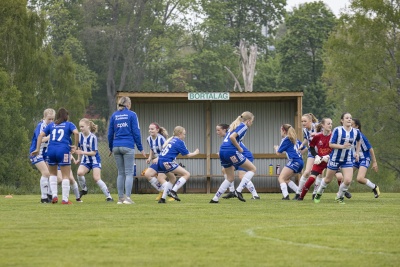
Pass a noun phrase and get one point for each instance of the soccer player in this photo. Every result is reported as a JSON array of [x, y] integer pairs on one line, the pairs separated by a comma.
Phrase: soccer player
[[366, 154], [166, 164], [89, 156], [221, 130], [231, 156], [321, 142], [291, 146], [40, 159], [309, 122], [156, 140], [342, 156], [59, 152]]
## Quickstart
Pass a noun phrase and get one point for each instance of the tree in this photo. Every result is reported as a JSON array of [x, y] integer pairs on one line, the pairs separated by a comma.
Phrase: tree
[[363, 73], [301, 51]]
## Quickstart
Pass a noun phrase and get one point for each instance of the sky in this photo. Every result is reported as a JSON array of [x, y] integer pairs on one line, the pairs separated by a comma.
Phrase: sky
[[335, 5]]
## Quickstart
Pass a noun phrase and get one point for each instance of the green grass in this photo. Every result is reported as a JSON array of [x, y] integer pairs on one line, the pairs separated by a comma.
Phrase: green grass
[[269, 232]]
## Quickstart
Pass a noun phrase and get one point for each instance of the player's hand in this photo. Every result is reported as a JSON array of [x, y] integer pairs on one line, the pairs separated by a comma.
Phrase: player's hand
[[346, 145], [148, 161], [317, 160], [34, 153], [143, 153], [357, 157], [325, 158], [197, 151], [375, 166]]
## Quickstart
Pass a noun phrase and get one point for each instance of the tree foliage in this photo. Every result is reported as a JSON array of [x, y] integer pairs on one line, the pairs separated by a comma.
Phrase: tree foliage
[[362, 73], [301, 51]]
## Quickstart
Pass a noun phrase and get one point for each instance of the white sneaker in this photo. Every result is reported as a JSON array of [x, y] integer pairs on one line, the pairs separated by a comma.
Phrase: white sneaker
[[128, 200], [121, 201]]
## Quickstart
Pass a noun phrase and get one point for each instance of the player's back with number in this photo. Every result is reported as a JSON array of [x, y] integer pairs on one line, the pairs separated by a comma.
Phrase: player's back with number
[[60, 134], [175, 147]]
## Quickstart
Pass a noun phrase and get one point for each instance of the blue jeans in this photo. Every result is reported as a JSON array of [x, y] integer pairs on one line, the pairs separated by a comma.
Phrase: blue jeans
[[124, 157]]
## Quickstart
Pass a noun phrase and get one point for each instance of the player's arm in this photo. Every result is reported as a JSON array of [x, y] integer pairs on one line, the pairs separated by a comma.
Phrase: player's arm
[[232, 137], [374, 162]]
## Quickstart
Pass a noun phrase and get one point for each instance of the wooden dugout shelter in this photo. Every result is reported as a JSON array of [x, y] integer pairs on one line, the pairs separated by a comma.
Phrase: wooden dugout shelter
[[200, 112]]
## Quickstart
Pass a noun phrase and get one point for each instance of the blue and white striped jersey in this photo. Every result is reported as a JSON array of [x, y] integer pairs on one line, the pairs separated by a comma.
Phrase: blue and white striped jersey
[[241, 132], [43, 147], [156, 144], [89, 144], [308, 133], [292, 150], [340, 136], [365, 146]]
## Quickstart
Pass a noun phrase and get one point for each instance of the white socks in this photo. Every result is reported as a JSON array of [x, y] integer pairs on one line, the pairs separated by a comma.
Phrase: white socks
[[103, 188], [82, 182], [284, 190], [53, 185], [154, 182], [75, 189], [246, 178], [179, 184], [44, 186], [317, 183], [293, 186], [222, 188], [65, 189], [167, 187], [370, 184], [302, 181]]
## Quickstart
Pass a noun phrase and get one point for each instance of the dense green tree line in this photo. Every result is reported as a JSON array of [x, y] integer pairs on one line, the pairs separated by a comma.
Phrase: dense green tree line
[[79, 53]]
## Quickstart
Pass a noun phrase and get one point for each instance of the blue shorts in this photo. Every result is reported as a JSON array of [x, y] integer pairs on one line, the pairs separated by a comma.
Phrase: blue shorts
[[365, 162], [91, 166], [164, 167], [36, 159], [59, 156], [309, 155], [230, 158], [295, 166], [336, 165]]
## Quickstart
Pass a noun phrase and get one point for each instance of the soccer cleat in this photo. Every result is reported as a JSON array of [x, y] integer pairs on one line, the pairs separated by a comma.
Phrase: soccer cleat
[[161, 201], [347, 194], [376, 191], [171, 199], [159, 195], [128, 201], [313, 196], [173, 194], [256, 198], [66, 202], [239, 196], [54, 200], [213, 201], [340, 200], [44, 200], [229, 195], [317, 198], [300, 199], [109, 199], [78, 200], [49, 197], [120, 201], [82, 193], [296, 197], [286, 198]]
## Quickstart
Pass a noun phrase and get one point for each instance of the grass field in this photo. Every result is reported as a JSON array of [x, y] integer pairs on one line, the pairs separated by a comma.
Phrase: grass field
[[269, 232]]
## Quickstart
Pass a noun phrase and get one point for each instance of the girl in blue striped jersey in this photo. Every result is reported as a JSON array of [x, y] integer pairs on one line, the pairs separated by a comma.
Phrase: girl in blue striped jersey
[[166, 164], [40, 159], [342, 156], [59, 152], [366, 155], [156, 140], [231, 156], [89, 156], [309, 123], [291, 146]]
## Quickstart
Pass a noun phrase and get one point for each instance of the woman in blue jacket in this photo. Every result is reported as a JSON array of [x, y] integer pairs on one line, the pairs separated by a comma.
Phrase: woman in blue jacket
[[123, 135]]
